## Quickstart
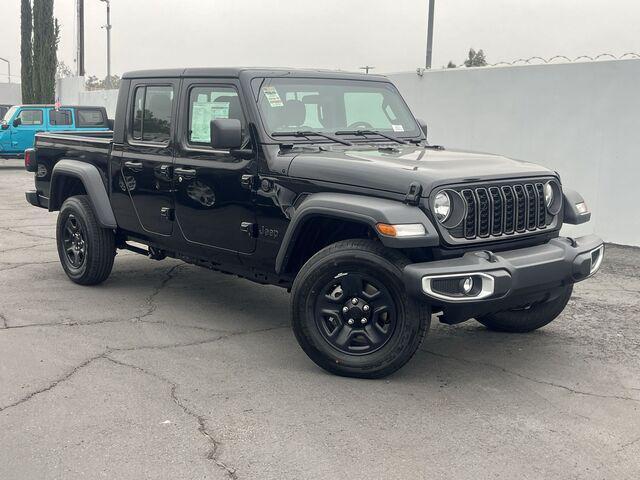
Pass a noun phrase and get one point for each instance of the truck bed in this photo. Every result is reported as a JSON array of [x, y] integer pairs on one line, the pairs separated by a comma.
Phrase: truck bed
[[90, 147]]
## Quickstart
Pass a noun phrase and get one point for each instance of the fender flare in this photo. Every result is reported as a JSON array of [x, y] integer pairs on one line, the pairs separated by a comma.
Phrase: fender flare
[[361, 209], [571, 214], [90, 177]]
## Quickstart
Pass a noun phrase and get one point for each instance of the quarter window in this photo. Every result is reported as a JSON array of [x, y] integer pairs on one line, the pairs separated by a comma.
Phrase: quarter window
[[152, 113], [60, 117], [209, 103], [30, 117], [89, 117]]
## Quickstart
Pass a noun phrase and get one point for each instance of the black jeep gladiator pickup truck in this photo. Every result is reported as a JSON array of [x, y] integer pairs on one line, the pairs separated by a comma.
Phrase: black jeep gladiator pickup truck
[[322, 183]]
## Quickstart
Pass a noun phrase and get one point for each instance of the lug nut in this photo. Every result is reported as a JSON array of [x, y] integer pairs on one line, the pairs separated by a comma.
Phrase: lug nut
[[350, 321], [354, 301], [365, 308], [345, 309], [363, 321]]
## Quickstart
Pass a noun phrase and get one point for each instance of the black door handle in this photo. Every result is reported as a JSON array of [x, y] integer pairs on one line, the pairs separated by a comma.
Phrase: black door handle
[[184, 172], [135, 166]]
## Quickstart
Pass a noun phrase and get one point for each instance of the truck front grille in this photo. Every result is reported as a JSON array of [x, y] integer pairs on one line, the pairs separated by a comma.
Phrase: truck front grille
[[496, 211]]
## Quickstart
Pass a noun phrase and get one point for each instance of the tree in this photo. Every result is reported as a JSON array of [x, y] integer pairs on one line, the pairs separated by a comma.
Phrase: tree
[[475, 59], [46, 33], [63, 71], [451, 65], [94, 83], [26, 51]]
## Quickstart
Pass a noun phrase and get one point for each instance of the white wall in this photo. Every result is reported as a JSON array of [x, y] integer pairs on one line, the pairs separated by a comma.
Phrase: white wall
[[10, 93], [580, 119], [71, 91]]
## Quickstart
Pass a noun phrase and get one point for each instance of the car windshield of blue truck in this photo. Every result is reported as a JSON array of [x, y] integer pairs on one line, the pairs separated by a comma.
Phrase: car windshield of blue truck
[[333, 105]]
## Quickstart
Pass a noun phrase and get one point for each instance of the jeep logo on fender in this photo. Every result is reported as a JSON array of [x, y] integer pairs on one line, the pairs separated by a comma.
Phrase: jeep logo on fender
[[267, 232]]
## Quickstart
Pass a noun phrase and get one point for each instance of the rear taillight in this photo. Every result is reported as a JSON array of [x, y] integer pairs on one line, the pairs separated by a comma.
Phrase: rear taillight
[[30, 163]]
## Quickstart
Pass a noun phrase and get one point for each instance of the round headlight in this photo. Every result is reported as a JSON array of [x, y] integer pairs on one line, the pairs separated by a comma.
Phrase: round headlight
[[442, 206], [548, 194]]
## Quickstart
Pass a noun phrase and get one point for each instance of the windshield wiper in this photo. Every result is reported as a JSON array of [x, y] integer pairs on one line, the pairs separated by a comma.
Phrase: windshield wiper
[[362, 133], [310, 134]]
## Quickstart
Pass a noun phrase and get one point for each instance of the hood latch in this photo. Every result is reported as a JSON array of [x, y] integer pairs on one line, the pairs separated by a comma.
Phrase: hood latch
[[413, 194]]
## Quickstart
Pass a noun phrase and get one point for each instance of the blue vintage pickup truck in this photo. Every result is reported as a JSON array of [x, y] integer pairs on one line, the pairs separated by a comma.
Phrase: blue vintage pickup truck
[[21, 123]]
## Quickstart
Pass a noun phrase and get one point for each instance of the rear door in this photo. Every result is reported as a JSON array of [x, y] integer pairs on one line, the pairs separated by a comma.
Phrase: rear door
[[31, 122], [214, 207], [148, 152]]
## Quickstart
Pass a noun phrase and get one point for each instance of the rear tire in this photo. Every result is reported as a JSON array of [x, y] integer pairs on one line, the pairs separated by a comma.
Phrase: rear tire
[[357, 281], [86, 250], [527, 319]]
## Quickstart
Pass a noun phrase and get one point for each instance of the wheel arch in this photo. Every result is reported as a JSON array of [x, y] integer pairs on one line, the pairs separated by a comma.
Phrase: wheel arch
[[320, 210], [67, 178]]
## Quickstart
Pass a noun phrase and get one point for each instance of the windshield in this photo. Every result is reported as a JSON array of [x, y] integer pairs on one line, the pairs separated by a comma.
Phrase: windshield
[[9, 114], [330, 106]]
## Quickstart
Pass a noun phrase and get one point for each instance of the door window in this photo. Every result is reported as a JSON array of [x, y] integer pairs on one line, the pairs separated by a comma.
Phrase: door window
[[152, 113], [60, 117], [208, 103], [30, 117]]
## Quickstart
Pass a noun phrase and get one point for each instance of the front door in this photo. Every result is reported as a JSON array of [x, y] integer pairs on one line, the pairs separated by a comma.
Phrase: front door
[[30, 122], [147, 154], [213, 208]]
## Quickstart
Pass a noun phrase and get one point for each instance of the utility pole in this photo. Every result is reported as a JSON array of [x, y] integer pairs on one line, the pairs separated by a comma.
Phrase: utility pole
[[80, 33], [8, 67], [430, 34], [366, 68], [108, 28]]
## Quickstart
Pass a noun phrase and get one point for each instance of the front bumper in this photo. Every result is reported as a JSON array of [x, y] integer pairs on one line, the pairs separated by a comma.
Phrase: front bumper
[[505, 279]]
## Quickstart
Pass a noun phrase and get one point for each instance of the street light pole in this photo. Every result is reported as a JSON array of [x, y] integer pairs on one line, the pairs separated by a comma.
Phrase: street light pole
[[108, 28], [366, 68], [8, 67], [430, 33]]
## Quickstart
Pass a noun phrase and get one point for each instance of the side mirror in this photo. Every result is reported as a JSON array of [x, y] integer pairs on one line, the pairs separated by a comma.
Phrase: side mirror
[[4, 126], [226, 133], [423, 127], [17, 122]]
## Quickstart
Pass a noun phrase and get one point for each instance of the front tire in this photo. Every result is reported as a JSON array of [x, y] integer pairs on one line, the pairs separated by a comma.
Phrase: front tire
[[350, 311], [86, 250], [527, 319]]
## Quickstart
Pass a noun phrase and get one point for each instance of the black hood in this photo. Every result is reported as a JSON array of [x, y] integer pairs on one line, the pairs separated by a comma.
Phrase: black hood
[[394, 170]]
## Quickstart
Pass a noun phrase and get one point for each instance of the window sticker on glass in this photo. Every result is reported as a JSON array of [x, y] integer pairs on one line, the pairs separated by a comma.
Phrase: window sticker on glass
[[272, 96], [397, 128], [201, 115]]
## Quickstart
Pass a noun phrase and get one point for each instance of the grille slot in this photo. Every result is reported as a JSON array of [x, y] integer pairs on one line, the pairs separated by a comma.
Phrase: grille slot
[[502, 209]]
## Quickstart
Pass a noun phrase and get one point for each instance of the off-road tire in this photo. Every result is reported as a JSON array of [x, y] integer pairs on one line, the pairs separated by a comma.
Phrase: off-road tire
[[412, 318], [99, 242], [528, 319]]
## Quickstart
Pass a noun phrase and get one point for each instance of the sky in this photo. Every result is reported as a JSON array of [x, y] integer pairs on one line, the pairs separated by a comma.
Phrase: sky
[[342, 34]]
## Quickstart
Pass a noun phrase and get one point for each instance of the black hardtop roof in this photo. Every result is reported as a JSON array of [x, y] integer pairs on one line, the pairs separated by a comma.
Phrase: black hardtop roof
[[235, 72], [51, 105]]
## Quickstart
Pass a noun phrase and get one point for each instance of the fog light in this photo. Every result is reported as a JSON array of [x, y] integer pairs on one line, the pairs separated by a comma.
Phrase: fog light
[[466, 285]]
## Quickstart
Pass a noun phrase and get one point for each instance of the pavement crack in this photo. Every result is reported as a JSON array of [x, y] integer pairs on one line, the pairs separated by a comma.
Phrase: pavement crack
[[24, 247], [214, 445], [531, 379], [24, 264], [53, 384], [152, 306], [628, 444]]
